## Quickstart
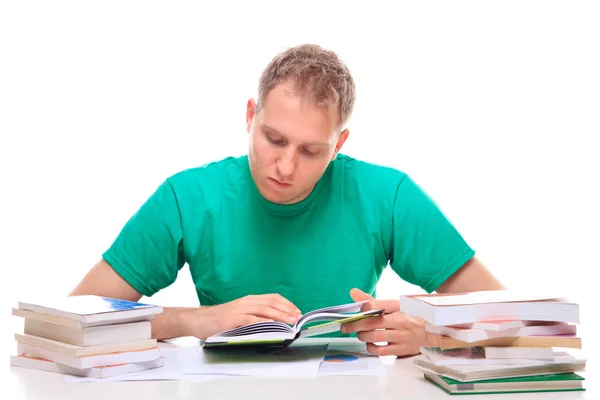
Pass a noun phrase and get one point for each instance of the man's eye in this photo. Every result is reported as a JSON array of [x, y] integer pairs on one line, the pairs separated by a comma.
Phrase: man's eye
[[309, 153], [275, 141]]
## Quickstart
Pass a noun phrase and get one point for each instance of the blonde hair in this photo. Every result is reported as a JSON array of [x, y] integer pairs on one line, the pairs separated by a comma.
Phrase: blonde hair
[[317, 75]]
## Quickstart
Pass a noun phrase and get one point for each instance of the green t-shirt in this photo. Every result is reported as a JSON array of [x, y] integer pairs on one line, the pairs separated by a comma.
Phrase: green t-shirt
[[359, 218]]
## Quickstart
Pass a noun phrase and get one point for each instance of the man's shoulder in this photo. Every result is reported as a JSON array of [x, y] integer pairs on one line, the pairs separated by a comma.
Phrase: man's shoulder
[[367, 171], [210, 173]]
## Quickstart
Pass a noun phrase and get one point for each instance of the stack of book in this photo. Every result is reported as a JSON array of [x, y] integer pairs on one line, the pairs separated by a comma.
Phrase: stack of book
[[90, 336], [498, 341]]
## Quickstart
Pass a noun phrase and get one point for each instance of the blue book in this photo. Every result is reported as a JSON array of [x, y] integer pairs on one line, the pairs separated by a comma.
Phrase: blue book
[[89, 309]]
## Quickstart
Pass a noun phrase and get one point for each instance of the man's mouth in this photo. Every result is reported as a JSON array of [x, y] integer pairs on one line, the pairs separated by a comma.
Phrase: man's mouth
[[279, 183]]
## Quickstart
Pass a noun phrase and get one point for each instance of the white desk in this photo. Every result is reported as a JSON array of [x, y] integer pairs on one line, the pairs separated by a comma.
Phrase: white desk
[[404, 381]]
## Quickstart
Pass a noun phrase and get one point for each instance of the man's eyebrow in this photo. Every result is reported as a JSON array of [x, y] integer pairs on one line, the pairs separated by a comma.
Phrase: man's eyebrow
[[275, 131], [271, 129]]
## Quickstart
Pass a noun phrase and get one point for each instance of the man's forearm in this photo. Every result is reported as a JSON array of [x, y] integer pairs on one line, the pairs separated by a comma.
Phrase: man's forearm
[[473, 276], [171, 323]]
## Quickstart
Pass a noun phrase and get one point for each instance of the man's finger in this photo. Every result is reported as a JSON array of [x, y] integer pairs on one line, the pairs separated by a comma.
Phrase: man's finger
[[275, 301], [367, 324], [382, 336], [265, 311], [358, 295], [282, 300], [387, 321], [389, 306], [252, 319]]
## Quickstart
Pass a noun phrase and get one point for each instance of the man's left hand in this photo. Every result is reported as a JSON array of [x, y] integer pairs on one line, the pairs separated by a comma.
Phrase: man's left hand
[[398, 333]]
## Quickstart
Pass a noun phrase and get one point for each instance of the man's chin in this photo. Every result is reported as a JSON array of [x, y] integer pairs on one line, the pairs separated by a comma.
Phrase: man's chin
[[279, 198]]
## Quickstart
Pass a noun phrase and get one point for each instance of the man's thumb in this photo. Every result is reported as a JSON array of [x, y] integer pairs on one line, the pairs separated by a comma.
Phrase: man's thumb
[[359, 295]]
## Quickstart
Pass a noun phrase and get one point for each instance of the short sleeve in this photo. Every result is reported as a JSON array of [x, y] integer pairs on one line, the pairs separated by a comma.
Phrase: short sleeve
[[427, 248], [148, 252]]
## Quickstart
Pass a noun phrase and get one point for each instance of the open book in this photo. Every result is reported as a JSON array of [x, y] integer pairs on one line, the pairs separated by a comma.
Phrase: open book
[[273, 333]]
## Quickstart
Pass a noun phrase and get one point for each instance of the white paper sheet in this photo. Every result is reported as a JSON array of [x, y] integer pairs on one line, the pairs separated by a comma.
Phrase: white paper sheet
[[198, 364], [292, 361], [177, 361]]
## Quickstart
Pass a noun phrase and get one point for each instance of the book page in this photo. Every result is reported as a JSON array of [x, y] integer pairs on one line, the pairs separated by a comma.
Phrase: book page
[[325, 316], [333, 326], [344, 308], [258, 327]]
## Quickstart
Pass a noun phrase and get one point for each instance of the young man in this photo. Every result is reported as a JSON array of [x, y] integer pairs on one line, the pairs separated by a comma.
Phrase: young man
[[291, 227]]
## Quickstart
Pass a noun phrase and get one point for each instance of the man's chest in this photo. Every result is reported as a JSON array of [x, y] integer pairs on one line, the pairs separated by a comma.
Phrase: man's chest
[[313, 260]]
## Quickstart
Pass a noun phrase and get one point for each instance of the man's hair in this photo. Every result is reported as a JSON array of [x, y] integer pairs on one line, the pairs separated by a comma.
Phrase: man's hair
[[317, 75]]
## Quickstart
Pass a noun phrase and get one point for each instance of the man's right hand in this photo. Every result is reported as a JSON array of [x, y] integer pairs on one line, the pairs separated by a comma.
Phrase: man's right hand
[[207, 321]]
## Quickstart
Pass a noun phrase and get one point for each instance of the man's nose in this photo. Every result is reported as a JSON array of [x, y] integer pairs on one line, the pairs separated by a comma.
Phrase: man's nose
[[287, 163]]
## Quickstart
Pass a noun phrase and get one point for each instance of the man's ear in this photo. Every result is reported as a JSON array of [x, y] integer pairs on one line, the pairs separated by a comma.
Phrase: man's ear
[[250, 112], [340, 142]]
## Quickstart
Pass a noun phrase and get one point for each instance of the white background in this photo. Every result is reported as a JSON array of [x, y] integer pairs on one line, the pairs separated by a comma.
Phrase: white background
[[493, 107]]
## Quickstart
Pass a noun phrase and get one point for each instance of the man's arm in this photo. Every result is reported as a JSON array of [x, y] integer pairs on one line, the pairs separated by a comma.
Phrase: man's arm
[[102, 280], [472, 276], [405, 334], [201, 322]]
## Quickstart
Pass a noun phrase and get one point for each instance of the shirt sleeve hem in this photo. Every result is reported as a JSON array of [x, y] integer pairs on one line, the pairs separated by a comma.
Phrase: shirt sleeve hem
[[127, 275], [454, 266]]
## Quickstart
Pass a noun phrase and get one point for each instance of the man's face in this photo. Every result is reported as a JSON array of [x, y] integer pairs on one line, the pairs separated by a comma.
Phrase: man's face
[[291, 145]]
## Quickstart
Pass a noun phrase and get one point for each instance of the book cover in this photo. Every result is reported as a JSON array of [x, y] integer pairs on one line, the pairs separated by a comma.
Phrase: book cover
[[90, 308], [567, 341], [486, 297], [41, 364], [469, 373], [536, 383], [99, 360], [84, 351], [473, 356], [474, 335], [493, 305]]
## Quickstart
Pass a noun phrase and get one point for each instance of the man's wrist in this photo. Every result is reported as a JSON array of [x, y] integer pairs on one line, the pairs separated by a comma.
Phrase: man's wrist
[[431, 340], [175, 322], [182, 324], [197, 322]]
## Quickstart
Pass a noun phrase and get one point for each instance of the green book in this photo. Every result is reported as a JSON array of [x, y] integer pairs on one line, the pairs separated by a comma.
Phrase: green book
[[273, 333], [535, 383]]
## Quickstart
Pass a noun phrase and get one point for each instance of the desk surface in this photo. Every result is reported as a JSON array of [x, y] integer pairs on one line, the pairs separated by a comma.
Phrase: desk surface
[[403, 381]]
